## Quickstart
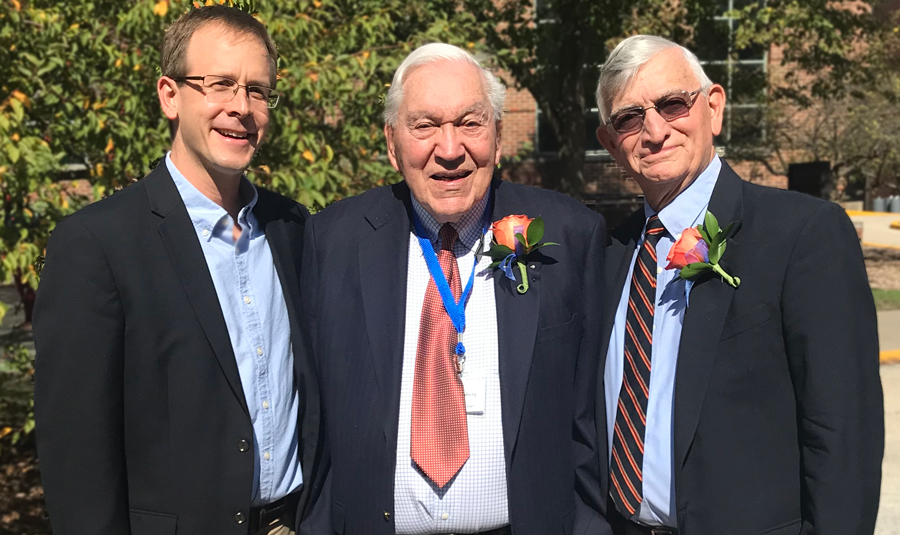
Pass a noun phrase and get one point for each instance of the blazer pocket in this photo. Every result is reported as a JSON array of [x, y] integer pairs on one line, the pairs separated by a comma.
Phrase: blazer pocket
[[150, 523], [555, 332], [337, 516], [745, 320]]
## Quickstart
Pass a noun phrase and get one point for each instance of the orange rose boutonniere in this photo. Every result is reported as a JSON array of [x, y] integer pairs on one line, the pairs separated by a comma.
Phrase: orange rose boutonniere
[[699, 250], [514, 238]]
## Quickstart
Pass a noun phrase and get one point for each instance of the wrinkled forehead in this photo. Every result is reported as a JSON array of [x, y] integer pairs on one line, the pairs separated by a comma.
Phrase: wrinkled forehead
[[444, 85]]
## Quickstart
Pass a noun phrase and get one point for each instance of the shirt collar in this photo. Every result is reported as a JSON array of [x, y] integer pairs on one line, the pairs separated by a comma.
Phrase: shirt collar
[[470, 226], [210, 219], [689, 207]]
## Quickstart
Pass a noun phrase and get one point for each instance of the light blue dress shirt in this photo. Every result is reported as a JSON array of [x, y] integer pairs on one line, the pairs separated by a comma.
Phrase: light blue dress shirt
[[686, 210], [252, 301]]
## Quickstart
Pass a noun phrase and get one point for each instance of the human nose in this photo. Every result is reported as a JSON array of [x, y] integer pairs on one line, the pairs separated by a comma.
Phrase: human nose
[[448, 146], [655, 129], [240, 101]]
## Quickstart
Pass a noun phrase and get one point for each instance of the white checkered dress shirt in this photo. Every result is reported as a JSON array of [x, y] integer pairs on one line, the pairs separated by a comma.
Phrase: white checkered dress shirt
[[476, 499]]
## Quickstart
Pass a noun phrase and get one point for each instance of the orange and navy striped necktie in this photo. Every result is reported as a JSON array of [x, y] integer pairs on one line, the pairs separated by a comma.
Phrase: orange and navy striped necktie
[[627, 460]]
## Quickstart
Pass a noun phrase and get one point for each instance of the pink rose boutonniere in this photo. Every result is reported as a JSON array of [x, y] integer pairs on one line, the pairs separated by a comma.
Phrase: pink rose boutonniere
[[699, 250], [515, 237]]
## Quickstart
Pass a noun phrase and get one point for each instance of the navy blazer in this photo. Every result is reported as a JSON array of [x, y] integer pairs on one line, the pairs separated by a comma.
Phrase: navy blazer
[[142, 425], [778, 415], [354, 288]]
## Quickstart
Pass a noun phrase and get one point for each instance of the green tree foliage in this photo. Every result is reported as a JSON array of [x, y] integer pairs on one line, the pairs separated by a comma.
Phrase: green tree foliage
[[839, 96], [553, 48], [16, 394], [79, 99]]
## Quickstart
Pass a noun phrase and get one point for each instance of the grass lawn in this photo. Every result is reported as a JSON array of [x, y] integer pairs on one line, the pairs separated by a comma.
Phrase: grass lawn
[[886, 299]]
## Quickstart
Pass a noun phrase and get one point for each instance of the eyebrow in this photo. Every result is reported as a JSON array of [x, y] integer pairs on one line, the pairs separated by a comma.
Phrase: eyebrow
[[654, 101], [477, 109], [256, 83]]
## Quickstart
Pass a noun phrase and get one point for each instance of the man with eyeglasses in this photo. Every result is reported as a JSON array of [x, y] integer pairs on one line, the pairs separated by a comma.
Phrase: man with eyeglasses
[[741, 385], [174, 387]]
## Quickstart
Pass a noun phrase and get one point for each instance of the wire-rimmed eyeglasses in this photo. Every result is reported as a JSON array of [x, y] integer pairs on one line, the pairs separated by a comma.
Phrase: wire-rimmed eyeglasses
[[670, 107], [221, 89]]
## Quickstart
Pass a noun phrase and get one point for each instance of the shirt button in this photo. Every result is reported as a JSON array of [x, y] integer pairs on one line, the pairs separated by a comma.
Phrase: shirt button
[[205, 232], [247, 299], [240, 518], [659, 270], [265, 404], [243, 445], [259, 351], [445, 516], [266, 456]]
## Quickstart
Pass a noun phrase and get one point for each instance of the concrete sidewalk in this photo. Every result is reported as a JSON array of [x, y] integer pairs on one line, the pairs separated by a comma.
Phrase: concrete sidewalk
[[889, 508], [889, 334], [877, 231]]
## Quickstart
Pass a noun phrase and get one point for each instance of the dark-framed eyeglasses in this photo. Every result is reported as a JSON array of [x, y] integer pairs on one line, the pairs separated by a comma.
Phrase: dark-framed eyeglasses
[[221, 89], [670, 107]]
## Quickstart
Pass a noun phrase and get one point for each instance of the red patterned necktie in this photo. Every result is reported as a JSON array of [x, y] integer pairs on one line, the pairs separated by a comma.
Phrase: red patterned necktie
[[627, 460], [439, 434]]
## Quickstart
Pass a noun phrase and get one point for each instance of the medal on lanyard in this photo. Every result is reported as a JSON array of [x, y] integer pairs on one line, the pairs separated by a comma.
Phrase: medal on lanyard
[[455, 309]]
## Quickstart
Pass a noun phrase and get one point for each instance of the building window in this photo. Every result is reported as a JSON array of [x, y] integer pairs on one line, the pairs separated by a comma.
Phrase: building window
[[742, 73]]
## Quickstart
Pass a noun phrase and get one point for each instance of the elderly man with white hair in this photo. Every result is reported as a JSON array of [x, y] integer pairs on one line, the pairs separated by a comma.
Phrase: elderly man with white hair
[[740, 390], [458, 385]]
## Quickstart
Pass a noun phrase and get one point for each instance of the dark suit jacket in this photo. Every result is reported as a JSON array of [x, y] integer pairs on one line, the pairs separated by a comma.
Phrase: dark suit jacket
[[140, 412], [354, 282], [779, 423]]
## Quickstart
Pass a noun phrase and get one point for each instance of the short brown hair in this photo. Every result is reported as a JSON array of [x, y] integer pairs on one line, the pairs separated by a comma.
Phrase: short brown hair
[[178, 35]]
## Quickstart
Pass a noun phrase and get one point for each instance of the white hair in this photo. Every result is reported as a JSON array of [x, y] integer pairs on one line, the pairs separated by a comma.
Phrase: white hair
[[625, 61], [432, 53]]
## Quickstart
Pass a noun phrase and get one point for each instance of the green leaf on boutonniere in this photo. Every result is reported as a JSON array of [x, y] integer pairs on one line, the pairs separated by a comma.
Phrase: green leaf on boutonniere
[[726, 232], [704, 234], [716, 249], [521, 239], [535, 231], [712, 226], [692, 270], [499, 252]]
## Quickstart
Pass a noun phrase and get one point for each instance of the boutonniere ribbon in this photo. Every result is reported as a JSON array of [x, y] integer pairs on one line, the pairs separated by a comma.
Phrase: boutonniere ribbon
[[515, 237], [699, 250]]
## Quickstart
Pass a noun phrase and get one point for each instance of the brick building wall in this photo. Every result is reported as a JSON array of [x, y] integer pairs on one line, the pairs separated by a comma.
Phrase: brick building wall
[[602, 176]]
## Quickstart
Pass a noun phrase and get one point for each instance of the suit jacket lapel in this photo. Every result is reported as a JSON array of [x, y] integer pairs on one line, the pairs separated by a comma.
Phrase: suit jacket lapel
[[704, 319], [618, 259], [383, 258], [517, 323], [181, 242]]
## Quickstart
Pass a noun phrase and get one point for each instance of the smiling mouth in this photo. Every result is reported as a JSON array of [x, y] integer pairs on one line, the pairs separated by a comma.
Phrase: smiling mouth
[[451, 176], [234, 135]]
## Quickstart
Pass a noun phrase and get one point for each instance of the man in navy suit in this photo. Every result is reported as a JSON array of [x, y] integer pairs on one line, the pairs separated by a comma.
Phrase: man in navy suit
[[435, 427], [174, 389], [738, 407]]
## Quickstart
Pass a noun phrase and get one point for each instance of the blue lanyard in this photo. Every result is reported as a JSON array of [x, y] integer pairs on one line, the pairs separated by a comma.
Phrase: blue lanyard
[[455, 309]]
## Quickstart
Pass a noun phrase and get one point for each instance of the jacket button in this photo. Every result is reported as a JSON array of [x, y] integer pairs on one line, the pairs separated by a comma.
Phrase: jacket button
[[243, 445], [240, 518], [387, 516]]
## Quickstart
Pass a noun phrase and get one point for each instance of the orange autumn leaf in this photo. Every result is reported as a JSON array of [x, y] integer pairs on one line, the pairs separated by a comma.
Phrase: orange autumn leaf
[[161, 8]]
